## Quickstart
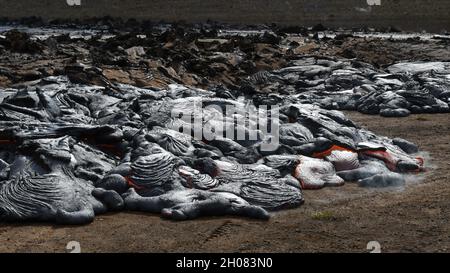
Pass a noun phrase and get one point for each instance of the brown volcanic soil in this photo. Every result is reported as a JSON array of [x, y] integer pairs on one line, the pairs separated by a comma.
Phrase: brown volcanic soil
[[345, 219]]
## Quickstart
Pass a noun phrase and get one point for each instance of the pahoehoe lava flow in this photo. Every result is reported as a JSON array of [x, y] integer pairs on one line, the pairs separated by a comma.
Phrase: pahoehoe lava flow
[[70, 151], [97, 128]]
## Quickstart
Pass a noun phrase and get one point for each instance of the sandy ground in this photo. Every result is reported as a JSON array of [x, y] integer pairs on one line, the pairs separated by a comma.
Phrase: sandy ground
[[345, 219]]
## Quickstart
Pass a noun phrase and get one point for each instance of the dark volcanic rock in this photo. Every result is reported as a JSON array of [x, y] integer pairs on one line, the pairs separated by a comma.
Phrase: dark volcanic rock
[[17, 41]]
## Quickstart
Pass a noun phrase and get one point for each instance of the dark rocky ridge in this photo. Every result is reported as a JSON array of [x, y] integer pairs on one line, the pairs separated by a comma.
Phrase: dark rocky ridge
[[409, 15]]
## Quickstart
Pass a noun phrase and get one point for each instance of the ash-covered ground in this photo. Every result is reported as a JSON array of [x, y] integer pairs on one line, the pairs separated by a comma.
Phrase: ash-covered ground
[[52, 79]]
